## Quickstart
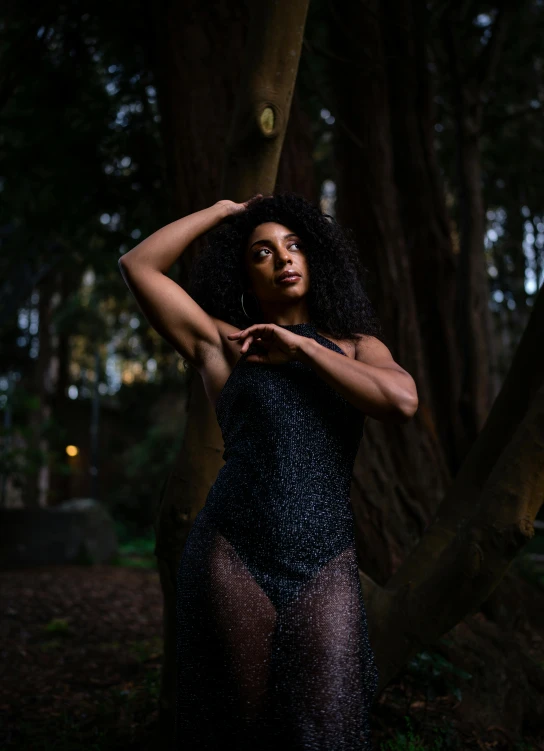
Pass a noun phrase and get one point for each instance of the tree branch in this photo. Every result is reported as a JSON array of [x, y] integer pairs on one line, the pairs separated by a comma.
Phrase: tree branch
[[525, 377]]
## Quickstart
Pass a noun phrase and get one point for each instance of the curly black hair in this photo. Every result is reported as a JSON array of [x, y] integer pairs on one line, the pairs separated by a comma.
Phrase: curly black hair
[[337, 300]]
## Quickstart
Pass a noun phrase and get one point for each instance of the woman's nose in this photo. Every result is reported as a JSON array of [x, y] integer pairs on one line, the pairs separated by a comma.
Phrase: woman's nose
[[284, 256]]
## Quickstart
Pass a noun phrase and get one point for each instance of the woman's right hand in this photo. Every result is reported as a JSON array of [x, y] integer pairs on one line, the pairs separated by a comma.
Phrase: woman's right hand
[[230, 207]]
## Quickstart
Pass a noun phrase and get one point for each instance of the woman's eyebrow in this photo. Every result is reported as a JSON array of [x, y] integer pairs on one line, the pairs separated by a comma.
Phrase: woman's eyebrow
[[285, 237]]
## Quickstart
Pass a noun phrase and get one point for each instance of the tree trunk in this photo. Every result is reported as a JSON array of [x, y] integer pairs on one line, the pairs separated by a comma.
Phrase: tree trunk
[[472, 310], [186, 62], [425, 222], [401, 470], [60, 483], [485, 519]]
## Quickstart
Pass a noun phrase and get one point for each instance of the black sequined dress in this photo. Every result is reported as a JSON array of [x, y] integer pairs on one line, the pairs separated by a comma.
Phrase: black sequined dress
[[272, 640]]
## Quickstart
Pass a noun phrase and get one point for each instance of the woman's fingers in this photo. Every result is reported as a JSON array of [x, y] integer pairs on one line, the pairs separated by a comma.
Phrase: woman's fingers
[[253, 198], [260, 333], [244, 332], [247, 342]]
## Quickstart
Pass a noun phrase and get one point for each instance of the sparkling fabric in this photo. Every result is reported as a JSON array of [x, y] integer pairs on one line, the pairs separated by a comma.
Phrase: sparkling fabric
[[272, 639]]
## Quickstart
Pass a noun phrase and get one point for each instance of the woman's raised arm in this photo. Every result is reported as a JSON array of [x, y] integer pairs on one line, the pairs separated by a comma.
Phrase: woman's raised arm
[[168, 307]]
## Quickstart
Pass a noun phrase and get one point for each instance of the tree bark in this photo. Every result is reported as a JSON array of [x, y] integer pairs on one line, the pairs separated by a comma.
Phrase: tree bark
[[425, 221], [401, 470], [520, 388], [475, 329], [486, 518], [259, 123], [186, 62]]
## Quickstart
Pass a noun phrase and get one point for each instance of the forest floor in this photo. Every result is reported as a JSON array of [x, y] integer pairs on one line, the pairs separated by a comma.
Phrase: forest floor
[[81, 654]]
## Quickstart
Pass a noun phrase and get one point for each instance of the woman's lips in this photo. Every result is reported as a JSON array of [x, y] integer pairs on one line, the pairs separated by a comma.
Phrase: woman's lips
[[289, 279]]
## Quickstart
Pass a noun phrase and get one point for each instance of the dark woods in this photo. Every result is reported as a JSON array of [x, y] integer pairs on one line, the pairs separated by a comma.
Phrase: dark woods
[[418, 125]]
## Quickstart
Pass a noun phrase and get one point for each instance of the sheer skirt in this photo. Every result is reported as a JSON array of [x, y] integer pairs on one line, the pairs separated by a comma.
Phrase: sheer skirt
[[253, 672]]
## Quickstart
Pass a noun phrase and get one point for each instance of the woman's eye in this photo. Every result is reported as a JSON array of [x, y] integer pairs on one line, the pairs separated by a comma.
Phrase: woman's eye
[[260, 251]]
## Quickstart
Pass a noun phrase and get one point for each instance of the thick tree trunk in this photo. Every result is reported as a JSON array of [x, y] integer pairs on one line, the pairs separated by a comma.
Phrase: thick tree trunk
[[519, 390], [191, 52], [258, 127], [401, 470], [425, 222], [187, 62], [473, 316], [485, 519]]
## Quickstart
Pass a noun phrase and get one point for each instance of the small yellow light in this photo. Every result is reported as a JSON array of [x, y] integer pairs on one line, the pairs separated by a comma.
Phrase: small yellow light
[[72, 450]]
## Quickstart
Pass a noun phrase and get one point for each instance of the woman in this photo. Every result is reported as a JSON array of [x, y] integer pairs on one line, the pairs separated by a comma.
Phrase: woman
[[272, 640]]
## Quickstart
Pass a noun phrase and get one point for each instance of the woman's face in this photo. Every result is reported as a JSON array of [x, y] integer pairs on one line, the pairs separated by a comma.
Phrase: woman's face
[[273, 250]]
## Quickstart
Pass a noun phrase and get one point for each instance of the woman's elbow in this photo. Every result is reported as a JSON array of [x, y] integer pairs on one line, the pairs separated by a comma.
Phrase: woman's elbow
[[407, 402]]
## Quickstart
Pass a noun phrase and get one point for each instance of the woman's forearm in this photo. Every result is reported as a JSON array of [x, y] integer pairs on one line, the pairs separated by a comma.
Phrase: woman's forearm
[[380, 392], [161, 250]]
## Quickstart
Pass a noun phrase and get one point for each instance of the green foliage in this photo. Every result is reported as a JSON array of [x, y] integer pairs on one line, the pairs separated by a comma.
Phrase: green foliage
[[147, 649], [134, 552], [139, 546], [127, 561], [59, 626], [437, 675], [51, 645], [145, 463], [31, 442], [78, 190], [409, 740]]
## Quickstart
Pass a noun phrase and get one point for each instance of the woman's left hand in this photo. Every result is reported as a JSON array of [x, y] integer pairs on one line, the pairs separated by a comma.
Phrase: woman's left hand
[[280, 345]]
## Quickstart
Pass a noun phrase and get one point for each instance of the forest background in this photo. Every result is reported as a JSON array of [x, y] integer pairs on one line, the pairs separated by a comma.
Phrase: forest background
[[419, 126]]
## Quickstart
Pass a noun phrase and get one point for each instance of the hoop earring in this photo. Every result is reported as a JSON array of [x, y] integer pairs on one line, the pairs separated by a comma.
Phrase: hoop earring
[[245, 312], [243, 308]]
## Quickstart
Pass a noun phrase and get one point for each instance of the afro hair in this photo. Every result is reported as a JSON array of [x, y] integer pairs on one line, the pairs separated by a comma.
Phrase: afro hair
[[337, 300]]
